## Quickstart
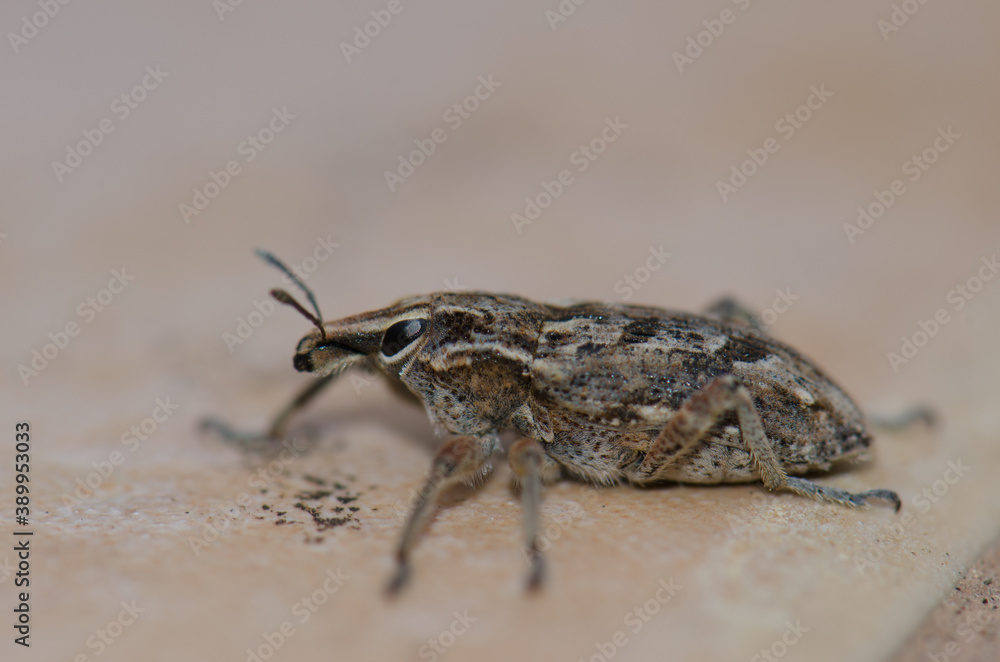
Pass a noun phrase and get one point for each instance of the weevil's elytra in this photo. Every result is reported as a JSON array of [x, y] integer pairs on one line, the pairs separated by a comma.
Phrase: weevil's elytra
[[603, 393]]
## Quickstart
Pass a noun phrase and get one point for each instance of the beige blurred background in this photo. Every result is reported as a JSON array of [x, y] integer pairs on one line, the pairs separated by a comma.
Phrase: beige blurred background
[[801, 580]]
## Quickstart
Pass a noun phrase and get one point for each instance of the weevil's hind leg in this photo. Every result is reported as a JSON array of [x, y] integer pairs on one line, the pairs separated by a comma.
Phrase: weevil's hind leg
[[906, 418], [732, 311], [276, 431], [696, 417], [532, 468], [462, 457]]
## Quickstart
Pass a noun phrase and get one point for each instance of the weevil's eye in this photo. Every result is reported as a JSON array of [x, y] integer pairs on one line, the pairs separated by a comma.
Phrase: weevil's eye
[[401, 334]]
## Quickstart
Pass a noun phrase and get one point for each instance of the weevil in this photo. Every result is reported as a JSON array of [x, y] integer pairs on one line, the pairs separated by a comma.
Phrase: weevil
[[605, 393]]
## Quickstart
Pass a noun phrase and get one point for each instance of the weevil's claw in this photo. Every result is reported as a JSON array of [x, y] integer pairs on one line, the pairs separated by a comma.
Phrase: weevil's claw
[[246, 440], [884, 495], [399, 579]]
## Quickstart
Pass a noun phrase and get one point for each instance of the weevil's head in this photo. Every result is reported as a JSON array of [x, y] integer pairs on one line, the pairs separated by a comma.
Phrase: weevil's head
[[389, 338], [466, 355]]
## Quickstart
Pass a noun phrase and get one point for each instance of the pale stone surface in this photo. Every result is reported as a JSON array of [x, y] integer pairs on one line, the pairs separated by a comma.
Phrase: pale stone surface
[[751, 567], [964, 626]]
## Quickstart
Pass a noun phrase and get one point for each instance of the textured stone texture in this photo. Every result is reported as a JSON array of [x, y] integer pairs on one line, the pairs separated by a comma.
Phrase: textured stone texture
[[964, 625], [752, 568]]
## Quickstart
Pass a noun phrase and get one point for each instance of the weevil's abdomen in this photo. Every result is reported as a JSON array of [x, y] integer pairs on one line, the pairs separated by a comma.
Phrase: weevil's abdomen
[[602, 456], [611, 378]]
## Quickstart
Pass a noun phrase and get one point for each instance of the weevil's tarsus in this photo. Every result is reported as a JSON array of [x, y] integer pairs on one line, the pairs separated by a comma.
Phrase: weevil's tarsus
[[276, 432], [904, 419], [399, 579], [255, 441], [459, 458], [536, 577], [836, 495], [286, 298]]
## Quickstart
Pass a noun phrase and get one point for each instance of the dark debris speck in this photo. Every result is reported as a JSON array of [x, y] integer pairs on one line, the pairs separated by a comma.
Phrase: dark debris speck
[[314, 495], [323, 523]]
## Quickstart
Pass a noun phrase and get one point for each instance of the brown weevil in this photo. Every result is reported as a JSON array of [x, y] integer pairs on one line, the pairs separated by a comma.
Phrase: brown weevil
[[599, 392]]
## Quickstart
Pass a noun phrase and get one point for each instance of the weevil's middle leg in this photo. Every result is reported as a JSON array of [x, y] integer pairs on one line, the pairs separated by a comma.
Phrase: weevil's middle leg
[[696, 417], [276, 431], [532, 468], [461, 457]]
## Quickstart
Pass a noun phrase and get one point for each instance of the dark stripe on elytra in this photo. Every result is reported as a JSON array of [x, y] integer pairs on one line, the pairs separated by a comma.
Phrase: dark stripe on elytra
[[746, 349]]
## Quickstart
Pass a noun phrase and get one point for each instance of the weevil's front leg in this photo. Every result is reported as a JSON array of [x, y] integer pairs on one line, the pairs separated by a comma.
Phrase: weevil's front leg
[[462, 457], [697, 416], [731, 311], [276, 431], [532, 467]]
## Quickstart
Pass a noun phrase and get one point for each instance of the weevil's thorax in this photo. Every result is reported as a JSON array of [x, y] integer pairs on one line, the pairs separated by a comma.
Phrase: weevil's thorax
[[473, 370]]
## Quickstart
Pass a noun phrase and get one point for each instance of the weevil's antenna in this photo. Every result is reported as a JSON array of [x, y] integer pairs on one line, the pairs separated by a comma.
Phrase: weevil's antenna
[[284, 297]]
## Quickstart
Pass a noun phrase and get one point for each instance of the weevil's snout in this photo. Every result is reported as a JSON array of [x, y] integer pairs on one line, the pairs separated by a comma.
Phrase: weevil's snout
[[324, 354], [303, 359], [303, 362]]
